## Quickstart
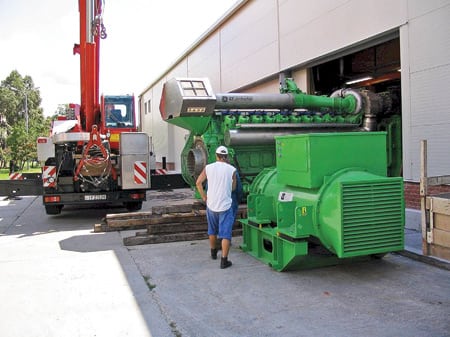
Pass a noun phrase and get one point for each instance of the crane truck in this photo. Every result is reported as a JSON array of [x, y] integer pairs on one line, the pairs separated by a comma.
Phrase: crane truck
[[94, 154]]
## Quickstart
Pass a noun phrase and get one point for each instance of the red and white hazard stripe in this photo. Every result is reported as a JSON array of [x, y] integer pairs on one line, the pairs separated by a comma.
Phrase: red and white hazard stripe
[[16, 176], [49, 176], [160, 171], [140, 172]]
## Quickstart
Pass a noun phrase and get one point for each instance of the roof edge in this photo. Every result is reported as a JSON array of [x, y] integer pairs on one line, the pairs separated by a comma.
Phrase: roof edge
[[227, 15]]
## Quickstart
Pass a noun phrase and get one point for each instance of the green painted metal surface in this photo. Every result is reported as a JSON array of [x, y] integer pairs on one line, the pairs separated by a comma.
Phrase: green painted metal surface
[[347, 204], [304, 160], [242, 115]]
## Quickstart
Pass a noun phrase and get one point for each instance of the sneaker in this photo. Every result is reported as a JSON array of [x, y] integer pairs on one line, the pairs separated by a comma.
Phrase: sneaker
[[224, 263], [214, 254]]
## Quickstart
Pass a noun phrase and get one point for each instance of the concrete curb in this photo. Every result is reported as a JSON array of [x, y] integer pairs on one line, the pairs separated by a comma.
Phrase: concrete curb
[[431, 260]]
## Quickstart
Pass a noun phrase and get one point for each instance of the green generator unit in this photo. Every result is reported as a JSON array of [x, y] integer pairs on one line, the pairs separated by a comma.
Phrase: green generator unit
[[327, 201], [247, 123]]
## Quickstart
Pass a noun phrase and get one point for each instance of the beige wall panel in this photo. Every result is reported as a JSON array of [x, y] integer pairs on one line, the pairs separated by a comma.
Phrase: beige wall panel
[[158, 130], [145, 119], [273, 85], [429, 96], [332, 26], [429, 45], [179, 70], [438, 159], [177, 140], [250, 45], [204, 61], [270, 86], [420, 7], [425, 83], [301, 78], [256, 68], [254, 45], [406, 103], [295, 14], [167, 140]]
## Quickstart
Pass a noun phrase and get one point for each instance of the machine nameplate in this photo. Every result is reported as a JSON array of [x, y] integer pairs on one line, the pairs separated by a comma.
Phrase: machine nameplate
[[285, 196], [196, 109]]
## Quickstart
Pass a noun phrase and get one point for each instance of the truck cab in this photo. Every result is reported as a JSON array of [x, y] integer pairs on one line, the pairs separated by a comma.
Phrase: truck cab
[[118, 116]]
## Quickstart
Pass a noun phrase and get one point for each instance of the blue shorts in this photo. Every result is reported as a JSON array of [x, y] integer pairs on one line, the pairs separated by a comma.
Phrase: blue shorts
[[220, 223]]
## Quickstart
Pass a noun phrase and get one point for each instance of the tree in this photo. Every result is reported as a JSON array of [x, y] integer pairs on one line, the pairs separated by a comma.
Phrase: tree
[[19, 100]]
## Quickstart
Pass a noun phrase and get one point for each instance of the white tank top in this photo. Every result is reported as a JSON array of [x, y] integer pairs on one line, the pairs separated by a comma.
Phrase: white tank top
[[220, 184]]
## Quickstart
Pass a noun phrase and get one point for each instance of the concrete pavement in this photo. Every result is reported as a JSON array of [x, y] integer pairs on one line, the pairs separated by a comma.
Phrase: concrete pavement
[[58, 278]]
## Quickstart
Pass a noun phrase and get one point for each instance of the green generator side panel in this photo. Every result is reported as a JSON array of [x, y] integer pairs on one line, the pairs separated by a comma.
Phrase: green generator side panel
[[304, 160], [373, 217], [362, 214]]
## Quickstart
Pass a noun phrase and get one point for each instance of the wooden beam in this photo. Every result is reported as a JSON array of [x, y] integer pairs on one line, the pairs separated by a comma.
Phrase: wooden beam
[[423, 196]]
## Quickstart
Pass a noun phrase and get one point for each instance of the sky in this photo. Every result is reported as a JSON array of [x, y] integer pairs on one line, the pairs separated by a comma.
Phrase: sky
[[144, 38]]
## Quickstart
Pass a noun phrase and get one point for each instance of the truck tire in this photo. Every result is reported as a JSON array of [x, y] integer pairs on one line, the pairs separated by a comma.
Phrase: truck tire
[[53, 209], [133, 206]]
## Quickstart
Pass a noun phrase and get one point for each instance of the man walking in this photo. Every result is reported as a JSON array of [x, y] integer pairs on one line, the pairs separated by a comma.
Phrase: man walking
[[221, 178]]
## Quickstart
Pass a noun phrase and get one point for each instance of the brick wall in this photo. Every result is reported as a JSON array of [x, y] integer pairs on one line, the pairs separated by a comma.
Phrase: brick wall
[[412, 196]]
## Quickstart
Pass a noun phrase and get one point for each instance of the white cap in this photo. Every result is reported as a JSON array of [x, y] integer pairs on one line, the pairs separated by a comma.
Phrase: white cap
[[222, 150]]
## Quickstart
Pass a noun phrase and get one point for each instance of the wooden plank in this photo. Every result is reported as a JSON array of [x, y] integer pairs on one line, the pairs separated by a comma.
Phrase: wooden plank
[[440, 205], [153, 239], [175, 217], [98, 227], [132, 215], [152, 219], [442, 221], [184, 208], [140, 220], [440, 252], [127, 223], [441, 238], [423, 192], [180, 227], [124, 221]]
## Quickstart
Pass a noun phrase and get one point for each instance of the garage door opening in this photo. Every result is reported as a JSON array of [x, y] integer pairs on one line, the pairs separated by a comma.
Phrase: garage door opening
[[376, 69]]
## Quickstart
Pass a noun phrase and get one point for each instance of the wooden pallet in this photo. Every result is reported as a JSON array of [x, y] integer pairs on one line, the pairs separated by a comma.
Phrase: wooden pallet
[[435, 212]]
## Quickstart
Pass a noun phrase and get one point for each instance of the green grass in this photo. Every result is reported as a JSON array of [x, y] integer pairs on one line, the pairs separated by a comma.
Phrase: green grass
[[4, 173]]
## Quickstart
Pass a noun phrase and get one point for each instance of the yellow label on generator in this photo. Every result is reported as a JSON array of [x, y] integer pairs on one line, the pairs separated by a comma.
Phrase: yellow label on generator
[[304, 211]]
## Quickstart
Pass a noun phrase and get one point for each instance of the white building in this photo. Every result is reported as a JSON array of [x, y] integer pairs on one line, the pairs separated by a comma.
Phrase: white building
[[321, 44]]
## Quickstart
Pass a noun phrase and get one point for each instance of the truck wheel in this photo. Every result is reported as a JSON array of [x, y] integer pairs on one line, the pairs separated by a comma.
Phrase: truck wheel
[[133, 206], [53, 209]]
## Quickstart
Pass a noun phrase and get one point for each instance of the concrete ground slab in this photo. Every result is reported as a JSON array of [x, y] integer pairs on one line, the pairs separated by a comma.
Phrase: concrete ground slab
[[58, 278], [387, 297]]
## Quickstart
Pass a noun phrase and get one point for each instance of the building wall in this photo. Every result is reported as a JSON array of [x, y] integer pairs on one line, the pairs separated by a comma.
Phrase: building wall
[[250, 48], [425, 49]]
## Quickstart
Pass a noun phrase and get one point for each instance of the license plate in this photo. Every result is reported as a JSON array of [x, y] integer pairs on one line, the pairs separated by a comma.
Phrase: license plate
[[95, 197]]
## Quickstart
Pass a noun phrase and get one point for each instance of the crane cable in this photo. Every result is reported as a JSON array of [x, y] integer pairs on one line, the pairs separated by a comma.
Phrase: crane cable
[[98, 27]]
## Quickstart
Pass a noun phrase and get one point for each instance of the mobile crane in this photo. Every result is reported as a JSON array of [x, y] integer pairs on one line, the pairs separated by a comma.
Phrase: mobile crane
[[94, 154]]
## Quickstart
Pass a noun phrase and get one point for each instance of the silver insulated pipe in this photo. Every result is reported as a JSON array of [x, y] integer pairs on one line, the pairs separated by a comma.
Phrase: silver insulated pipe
[[264, 134]]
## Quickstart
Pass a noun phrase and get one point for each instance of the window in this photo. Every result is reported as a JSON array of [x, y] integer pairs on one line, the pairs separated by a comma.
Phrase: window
[[194, 88]]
